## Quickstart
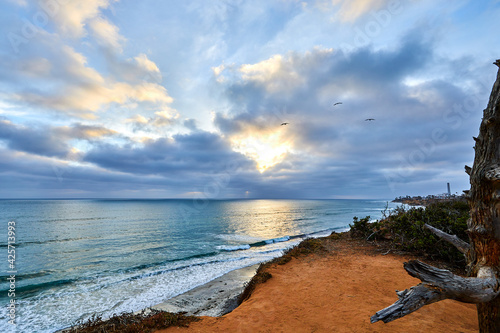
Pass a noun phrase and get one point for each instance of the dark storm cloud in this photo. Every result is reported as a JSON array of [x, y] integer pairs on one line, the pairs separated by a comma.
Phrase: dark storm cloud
[[47, 140], [420, 138], [423, 120], [384, 66], [83, 132], [190, 124], [198, 152], [198, 162], [31, 176], [422, 73], [31, 140]]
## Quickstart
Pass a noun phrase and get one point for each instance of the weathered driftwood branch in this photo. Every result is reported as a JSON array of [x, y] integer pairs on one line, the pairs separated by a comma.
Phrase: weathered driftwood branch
[[439, 284], [483, 254], [461, 245]]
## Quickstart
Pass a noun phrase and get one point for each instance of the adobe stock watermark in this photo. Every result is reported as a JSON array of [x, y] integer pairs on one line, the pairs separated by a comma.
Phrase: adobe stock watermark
[[31, 27], [11, 272], [425, 148], [453, 118], [59, 171], [380, 20]]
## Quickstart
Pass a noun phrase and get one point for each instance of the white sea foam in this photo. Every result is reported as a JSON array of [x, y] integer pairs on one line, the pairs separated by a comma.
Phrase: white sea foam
[[277, 240], [132, 291], [149, 235], [233, 247], [238, 238]]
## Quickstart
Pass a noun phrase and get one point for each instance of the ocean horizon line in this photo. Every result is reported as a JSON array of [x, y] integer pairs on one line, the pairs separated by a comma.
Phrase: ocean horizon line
[[204, 199]]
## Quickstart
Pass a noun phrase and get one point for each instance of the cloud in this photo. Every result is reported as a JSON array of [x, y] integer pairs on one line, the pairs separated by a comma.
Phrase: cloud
[[107, 34], [276, 74], [31, 140], [48, 140], [199, 162], [52, 73], [133, 70], [218, 69], [84, 100], [253, 66], [72, 16], [146, 64], [82, 91], [160, 119], [200, 153], [83, 132], [21, 3], [393, 150], [35, 67], [137, 119], [351, 10], [191, 124], [32, 176]]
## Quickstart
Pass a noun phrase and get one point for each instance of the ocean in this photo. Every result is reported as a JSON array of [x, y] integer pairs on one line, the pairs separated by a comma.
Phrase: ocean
[[76, 258]]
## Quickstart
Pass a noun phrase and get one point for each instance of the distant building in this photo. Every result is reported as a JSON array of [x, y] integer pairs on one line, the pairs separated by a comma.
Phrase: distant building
[[449, 192]]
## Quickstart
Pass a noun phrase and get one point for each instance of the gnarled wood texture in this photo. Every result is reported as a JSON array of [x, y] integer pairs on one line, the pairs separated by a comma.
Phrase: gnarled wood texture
[[484, 224], [462, 246], [483, 253], [439, 284]]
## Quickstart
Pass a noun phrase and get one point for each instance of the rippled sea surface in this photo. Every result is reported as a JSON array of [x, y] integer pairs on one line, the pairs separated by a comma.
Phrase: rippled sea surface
[[75, 258]]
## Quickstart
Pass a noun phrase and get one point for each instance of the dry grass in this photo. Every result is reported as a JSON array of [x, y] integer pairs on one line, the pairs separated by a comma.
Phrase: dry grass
[[142, 322]]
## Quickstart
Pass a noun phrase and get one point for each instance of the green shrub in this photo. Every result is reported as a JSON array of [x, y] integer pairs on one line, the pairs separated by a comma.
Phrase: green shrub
[[362, 228], [307, 246], [405, 228]]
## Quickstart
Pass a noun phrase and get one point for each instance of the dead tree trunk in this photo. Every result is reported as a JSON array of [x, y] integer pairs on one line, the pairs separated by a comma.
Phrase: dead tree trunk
[[483, 253], [484, 200]]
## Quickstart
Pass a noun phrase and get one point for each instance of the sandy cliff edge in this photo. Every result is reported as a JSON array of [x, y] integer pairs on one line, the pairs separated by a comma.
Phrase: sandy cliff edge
[[336, 292]]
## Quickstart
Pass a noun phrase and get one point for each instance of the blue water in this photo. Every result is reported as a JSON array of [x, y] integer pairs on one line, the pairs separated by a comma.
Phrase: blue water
[[75, 258]]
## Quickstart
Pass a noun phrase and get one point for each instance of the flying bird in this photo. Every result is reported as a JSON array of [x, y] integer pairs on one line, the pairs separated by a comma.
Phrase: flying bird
[[369, 119], [337, 103], [283, 124]]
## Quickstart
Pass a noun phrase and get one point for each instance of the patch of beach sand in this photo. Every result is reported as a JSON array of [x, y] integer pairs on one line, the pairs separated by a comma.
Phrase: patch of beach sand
[[337, 292]]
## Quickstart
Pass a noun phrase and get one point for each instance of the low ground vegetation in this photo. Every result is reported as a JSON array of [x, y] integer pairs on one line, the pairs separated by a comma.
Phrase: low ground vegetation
[[401, 230], [404, 230], [144, 322]]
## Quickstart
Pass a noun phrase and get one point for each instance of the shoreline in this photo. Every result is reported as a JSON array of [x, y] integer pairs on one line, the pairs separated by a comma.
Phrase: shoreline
[[330, 284], [214, 298], [335, 291]]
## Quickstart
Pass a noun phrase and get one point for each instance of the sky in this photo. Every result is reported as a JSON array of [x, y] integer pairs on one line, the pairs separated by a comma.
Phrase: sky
[[186, 99]]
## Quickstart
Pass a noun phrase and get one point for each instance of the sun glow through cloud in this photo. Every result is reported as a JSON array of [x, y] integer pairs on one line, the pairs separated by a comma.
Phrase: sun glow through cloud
[[266, 150], [95, 103]]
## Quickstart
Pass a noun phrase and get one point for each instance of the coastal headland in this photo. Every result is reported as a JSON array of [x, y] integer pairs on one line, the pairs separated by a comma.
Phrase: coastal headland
[[327, 284], [427, 200], [336, 289]]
